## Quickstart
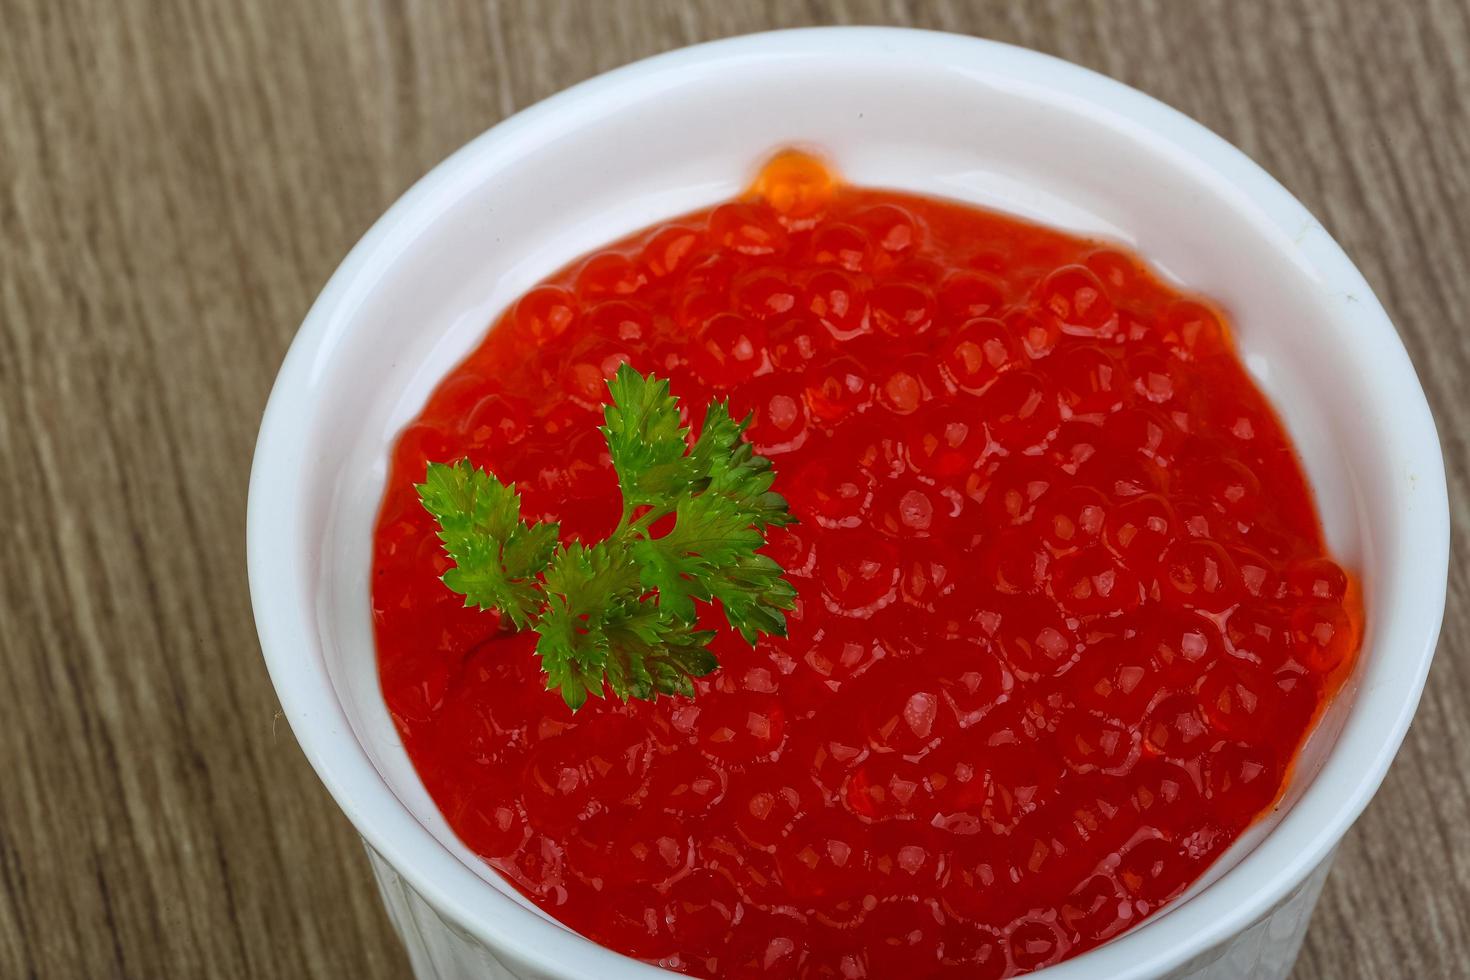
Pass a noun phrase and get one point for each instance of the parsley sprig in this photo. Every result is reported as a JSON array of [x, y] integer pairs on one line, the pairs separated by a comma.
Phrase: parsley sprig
[[620, 614]]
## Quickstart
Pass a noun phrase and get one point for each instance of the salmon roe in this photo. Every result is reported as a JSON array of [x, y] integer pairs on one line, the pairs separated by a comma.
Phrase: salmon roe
[[1065, 614]]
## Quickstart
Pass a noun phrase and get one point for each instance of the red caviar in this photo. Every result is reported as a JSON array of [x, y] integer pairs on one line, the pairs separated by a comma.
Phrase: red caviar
[[1065, 611]]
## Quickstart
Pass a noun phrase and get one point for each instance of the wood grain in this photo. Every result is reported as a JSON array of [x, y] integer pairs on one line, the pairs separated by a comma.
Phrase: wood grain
[[177, 179]]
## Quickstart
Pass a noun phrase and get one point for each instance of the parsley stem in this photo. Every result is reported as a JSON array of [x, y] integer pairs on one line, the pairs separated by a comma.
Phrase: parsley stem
[[641, 525]]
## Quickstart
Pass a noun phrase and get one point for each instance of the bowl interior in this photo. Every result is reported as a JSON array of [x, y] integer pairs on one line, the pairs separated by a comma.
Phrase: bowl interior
[[956, 118]]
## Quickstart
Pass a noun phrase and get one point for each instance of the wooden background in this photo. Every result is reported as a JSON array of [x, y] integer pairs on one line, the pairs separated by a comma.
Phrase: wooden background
[[178, 179]]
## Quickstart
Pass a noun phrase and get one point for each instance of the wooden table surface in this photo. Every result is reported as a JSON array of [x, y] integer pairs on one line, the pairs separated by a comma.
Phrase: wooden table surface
[[180, 178]]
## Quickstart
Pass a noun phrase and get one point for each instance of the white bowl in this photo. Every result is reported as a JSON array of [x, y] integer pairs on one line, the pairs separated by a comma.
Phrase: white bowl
[[934, 113]]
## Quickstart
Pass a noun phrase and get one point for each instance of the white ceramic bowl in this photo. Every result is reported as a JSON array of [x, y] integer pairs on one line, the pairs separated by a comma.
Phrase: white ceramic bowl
[[934, 113]]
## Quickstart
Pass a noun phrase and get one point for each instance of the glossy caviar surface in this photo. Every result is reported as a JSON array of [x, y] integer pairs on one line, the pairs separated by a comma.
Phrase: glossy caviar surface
[[1065, 612]]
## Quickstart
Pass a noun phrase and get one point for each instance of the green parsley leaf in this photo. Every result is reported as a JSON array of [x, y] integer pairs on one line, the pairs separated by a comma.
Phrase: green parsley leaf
[[736, 470], [711, 535], [496, 555], [645, 439], [620, 615], [652, 654], [754, 596], [587, 588]]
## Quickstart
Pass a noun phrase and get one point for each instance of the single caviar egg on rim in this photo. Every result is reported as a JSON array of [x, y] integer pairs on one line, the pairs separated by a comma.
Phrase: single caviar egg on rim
[[1063, 613]]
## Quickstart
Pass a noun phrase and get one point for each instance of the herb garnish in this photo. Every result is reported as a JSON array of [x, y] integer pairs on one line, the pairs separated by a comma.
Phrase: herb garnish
[[621, 613]]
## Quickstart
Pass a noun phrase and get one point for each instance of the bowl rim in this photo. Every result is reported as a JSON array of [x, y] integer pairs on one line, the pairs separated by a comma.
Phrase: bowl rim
[[285, 618]]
